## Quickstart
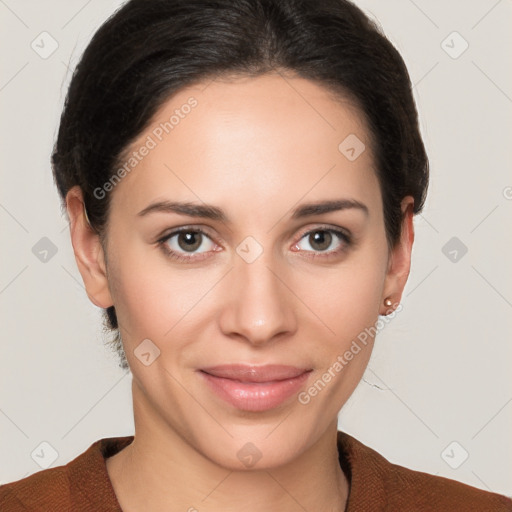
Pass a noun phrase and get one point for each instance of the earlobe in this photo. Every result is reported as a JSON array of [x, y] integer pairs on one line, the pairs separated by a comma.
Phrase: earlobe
[[400, 258], [88, 251]]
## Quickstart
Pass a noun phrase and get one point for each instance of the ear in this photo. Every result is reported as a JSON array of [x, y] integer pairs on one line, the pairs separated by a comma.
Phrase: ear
[[88, 251], [399, 259]]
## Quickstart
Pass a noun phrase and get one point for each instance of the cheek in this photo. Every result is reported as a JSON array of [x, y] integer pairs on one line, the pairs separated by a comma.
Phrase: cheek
[[349, 298], [136, 290], [151, 296], [343, 351], [348, 304]]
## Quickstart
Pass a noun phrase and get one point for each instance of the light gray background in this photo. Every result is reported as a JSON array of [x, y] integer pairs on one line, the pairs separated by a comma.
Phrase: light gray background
[[441, 370]]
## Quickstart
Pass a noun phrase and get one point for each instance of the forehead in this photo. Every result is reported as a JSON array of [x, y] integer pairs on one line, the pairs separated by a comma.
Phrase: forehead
[[270, 135]]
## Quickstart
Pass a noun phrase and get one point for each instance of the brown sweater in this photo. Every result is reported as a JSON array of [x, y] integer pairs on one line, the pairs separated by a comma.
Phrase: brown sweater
[[376, 485]]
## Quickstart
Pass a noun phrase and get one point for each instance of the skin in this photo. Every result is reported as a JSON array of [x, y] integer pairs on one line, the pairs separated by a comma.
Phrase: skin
[[255, 147]]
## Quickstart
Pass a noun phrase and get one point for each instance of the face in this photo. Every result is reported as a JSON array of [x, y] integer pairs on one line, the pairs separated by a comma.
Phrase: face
[[268, 283]]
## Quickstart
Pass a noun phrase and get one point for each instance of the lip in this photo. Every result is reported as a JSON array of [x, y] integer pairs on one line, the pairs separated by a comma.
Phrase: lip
[[255, 388], [254, 373]]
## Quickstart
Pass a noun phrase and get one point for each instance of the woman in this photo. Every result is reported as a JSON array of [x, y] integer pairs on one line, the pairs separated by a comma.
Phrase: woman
[[241, 179]]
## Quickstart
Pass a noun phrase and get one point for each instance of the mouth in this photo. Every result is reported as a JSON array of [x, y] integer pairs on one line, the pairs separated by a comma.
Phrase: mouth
[[255, 388]]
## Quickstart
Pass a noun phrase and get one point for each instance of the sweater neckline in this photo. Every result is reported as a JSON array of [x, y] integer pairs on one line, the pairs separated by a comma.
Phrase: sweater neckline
[[350, 455]]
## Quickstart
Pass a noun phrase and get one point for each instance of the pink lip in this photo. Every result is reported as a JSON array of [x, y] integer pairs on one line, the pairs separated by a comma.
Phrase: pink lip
[[255, 388]]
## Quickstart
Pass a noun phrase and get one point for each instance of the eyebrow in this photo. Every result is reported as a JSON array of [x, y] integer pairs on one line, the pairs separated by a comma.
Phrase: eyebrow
[[215, 213]]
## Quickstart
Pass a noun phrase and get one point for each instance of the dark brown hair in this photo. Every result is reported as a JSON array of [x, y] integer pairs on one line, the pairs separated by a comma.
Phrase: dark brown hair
[[150, 49]]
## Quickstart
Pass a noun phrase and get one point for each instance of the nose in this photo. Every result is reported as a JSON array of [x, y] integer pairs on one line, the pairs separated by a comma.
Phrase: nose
[[261, 306]]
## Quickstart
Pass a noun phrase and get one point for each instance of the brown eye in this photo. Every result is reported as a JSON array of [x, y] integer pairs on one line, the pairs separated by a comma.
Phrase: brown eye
[[320, 240], [189, 240], [183, 244]]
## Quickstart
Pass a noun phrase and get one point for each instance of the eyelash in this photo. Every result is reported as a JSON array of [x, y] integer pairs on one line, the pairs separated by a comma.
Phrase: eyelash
[[162, 242]]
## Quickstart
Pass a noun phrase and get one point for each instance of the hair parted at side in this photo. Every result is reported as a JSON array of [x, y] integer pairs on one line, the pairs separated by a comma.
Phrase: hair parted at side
[[150, 49]]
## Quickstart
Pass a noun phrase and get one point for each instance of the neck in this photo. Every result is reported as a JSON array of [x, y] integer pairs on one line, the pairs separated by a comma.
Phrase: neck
[[161, 470]]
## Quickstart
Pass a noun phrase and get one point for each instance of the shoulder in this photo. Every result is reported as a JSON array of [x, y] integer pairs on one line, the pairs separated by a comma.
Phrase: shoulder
[[82, 484], [431, 492], [42, 489], [382, 485]]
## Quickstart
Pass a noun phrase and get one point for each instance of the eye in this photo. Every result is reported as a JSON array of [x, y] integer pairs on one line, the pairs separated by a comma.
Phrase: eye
[[185, 241], [321, 239]]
